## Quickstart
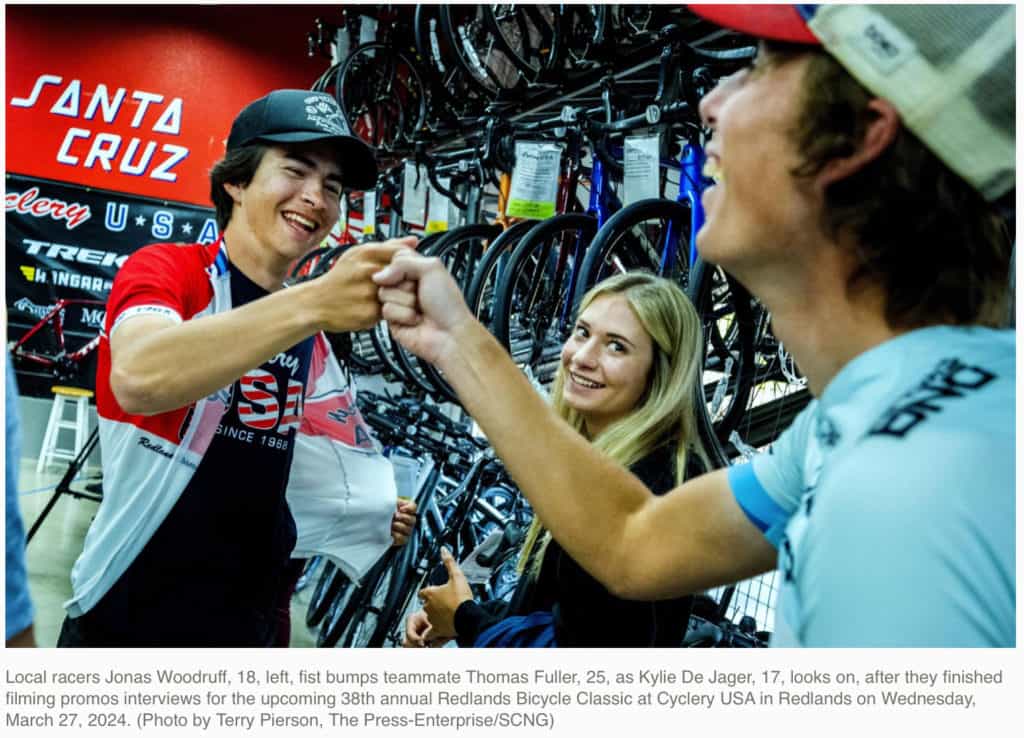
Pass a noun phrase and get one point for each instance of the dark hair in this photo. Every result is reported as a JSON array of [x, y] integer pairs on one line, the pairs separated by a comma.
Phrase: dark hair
[[237, 167], [938, 249]]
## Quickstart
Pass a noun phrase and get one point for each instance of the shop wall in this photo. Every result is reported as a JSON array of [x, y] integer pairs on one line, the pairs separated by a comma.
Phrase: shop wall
[[114, 116]]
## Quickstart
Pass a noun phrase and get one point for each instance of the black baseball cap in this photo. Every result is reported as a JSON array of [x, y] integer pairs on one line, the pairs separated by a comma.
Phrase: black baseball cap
[[292, 116]]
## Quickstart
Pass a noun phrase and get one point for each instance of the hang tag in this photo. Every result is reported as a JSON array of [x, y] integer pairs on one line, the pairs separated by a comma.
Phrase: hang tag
[[414, 194], [437, 208], [370, 213], [534, 180], [640, 163]]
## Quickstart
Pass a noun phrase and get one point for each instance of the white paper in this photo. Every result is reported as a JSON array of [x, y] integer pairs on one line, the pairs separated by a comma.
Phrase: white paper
[[534, 180], [437, 208], [414, 195], [640, 162]]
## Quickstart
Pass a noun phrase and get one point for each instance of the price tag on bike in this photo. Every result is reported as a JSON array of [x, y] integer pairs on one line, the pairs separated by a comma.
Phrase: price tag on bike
[[640, 164], [437, 211], [534, 180], [414, 194], [370, 213]]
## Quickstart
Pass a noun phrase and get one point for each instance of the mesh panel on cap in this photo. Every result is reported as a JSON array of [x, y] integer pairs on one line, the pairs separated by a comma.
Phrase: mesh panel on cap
[[941, 32], [948, 69], [989, 91]]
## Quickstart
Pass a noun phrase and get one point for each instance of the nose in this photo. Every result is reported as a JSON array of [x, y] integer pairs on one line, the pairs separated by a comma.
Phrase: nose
[[585, 354], [708, 106], [313, 193], [711, 103]]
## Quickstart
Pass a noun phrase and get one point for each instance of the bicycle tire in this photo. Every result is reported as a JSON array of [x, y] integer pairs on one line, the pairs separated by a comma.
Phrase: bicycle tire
[[525, 33], [366, 611], [535, 293], [480, 296], [453, 96], [399, 589], [493, 74], [345, 621], [381, 95], [719, 298], [389, 353], [327, 587], [462, 265], [331, 625], [618, 247]]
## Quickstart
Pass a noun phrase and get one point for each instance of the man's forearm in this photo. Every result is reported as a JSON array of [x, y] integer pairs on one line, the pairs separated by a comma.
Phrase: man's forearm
[[176, 365]]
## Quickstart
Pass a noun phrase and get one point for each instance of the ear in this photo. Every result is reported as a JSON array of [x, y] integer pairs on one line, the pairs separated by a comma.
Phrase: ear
[[234, 192], [880, 133]]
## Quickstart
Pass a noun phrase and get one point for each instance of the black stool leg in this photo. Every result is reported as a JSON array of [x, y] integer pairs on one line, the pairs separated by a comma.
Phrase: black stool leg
[[64, 487]]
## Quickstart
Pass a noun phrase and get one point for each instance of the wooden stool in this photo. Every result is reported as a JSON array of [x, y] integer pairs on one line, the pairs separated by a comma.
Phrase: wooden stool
[[51, 449]]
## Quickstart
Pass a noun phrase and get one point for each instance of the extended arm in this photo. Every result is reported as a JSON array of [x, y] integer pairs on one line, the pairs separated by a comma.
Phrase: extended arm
[[158, 365], [638, 545]]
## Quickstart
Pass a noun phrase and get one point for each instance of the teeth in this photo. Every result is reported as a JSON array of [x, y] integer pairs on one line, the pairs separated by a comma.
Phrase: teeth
[[304, 222], [713, 171], [586, 382]]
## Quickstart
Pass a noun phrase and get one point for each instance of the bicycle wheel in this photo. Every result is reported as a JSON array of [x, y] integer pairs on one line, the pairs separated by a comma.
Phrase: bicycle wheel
[[533, 311], [460, 251], [476, 50], [525, 33], [480, 296], [332, 581], [724, 307], [371, 611], [333, 622], [778, 391], [381, 95], [453, 95], [639, 238]]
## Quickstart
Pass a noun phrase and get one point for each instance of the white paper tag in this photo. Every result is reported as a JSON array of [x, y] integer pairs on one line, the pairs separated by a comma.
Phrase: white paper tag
[[437, 208], [534, 180], [640, 163], [370, 212], [414, 195]]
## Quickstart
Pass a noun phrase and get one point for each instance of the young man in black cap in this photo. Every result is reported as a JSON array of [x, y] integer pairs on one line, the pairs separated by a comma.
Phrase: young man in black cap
[[856, 165], [205, 364]]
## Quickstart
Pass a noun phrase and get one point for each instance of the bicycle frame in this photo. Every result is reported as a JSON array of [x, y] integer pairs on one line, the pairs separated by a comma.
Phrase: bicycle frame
[[63, 359], [691, 186]]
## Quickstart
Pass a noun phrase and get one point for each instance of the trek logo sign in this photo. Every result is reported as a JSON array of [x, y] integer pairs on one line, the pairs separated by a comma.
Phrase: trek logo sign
[[85, 145], [65, 239]]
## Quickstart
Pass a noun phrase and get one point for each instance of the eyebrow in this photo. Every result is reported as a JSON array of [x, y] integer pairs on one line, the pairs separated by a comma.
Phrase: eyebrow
[[616, 336], [302, 159]]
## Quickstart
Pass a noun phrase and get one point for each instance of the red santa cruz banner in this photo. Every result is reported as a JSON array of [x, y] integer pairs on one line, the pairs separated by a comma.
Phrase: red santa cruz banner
[[140, 99]]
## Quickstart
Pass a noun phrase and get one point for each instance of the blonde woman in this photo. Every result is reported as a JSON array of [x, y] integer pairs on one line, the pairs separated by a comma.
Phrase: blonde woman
[[626, 382]]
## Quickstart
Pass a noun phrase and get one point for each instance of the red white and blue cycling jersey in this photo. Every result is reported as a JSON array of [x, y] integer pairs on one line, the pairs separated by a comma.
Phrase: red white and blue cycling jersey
[[298, 407]]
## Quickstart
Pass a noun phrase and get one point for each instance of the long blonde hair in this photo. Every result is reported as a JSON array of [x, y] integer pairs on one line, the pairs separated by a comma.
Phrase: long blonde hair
[[666, 412]]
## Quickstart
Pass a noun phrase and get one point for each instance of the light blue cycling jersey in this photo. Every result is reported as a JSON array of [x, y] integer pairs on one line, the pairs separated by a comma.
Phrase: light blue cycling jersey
[[891, 498]]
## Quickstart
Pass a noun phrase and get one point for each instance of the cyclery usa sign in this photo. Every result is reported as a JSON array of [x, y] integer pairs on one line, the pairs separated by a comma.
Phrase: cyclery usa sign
[[65, 241]]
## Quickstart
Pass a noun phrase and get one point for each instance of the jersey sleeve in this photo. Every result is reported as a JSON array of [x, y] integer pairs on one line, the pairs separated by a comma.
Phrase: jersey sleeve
[[151, 282], [768, 488]]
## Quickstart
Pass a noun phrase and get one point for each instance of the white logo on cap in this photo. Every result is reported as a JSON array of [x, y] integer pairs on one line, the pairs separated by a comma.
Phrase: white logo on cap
[[883, 44], [324, 113]]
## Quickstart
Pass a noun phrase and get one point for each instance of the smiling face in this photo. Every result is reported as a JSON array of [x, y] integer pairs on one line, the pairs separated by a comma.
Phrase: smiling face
[[289, 206], [607, 361], [757, 209]]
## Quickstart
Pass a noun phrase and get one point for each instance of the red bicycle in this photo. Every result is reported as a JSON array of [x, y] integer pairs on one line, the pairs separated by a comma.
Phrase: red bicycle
[[45, 346]]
